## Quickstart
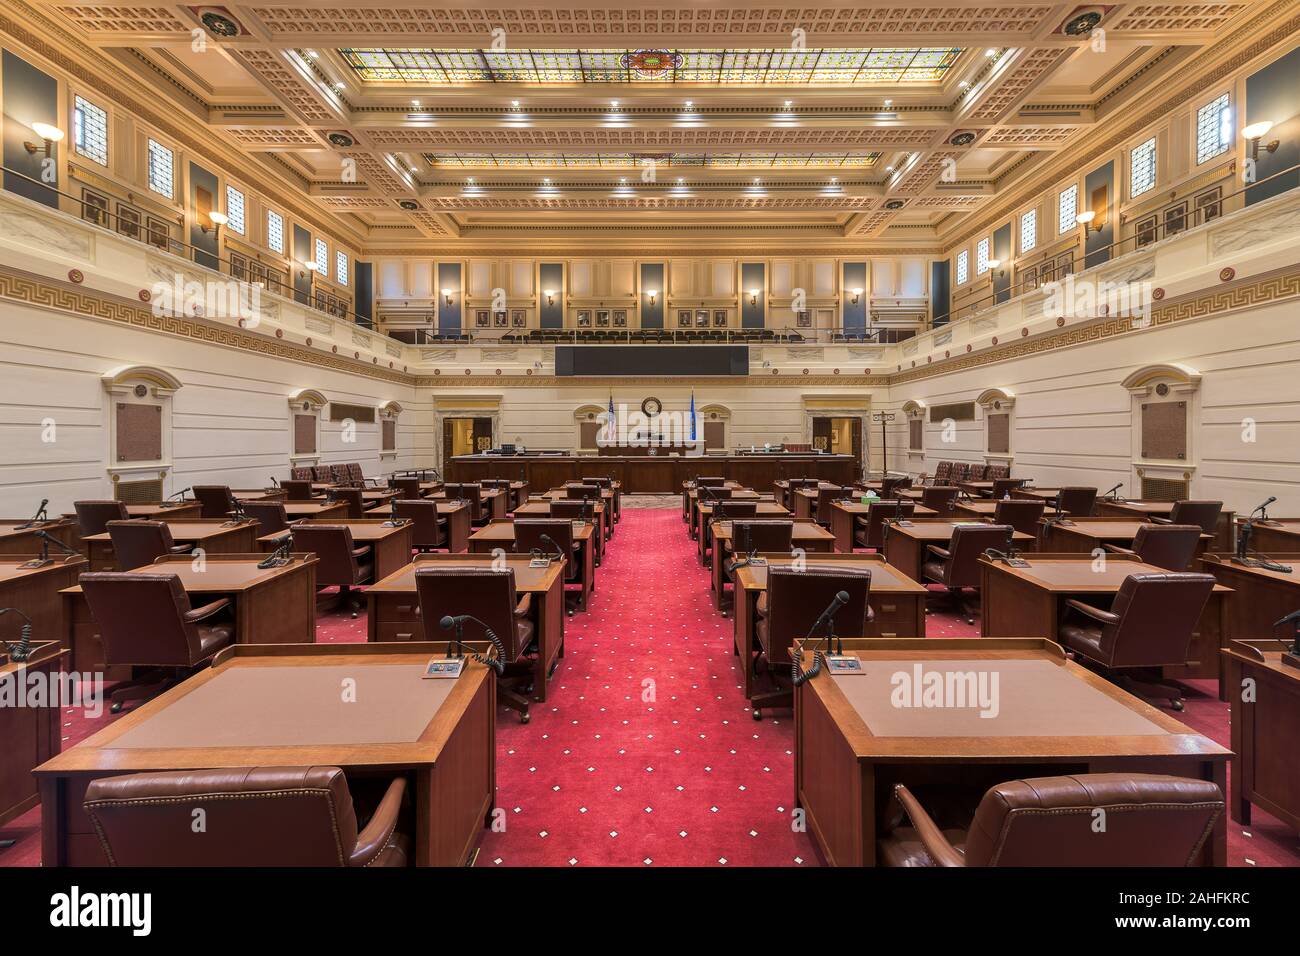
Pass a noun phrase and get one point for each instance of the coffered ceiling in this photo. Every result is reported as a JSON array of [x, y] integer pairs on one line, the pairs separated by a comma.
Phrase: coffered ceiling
[[870, 124]]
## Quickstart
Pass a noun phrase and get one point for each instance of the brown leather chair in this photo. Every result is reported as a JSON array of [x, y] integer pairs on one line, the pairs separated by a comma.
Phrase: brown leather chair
[[137, 542], [491, 597], [1021, 513], [322, 473], [256, 816], [1077, 502], [298, 489], [145, 620], [578, 511], [711, 481], [352, 497], [997, 473], [942, 472], [604, 484], [528, 538], [1151, 820], [1002, 487], [299, 474], [93, 516], [957, 568], [472, 493], [753, 536], [821, 508], [1169, 546], [270, 516], [217, 501], [340, 475], [940, 498], [870, 531], [356, 474], [1205, 514], [892, 483], [340, 562], [408, 487], [792, 603], [1149, 626], [960, 471], [428, 528]]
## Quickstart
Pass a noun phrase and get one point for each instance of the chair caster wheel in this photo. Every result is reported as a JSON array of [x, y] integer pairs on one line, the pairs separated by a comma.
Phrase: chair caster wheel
[[756, 714], [354, 615], [524, 718], [116, 708], [1177, 705]]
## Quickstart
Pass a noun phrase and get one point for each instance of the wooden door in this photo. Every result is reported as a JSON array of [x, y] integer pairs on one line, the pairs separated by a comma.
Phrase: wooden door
[[821, 434]]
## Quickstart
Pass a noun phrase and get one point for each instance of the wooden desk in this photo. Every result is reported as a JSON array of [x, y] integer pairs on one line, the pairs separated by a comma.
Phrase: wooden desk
[[390, 547], [1260, 596], [297, 510], [704, 536], [161, 512], [983, 489], [691, 498], [35, 592], [213, 535], [607, 513], [974, 510], [18, 540], [281, 707], [1280, 536], [897, 601], [1264, 768], [808, 536], [1046, 495], [804, 499], [1085, 535], [615, 487], [542, 509], [269, 605], [501, 535], [906, 546], [850, 752], [1223, 540], [395, 607], [259, 494], [31, 733], [495, 499], [1031, 600], [845, 516]]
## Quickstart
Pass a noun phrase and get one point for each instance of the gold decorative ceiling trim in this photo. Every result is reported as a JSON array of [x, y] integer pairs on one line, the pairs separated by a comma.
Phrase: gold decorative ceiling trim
[[783, 380]]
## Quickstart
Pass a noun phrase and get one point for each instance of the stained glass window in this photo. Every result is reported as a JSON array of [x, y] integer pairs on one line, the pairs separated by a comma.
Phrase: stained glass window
[[90, 131], [1142, 168], [161, 169], [963, 266], [1068, 208], [275, 231], [1029, 230], [1213, 129]]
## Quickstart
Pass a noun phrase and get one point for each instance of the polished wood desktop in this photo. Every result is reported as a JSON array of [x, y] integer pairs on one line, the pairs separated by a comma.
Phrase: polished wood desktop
[[317, 508], [692, 499], [1018, 601], [1086, 535], [500, 535], [976, 510], [32, 734], [16, 539], [35, 592], [1265, 711], [847, 515], [390, 546], [1274, 536], [897, 601], [1128, 508], [1261, 597], [907, 546], [1045, 495], [541, 508], [607, 513], [230, 715], [269, 605], [395, 607], [496, 500], [213, 535], [160, 511], [808, 536], [689, 487], [259, 494], [847, 762], [703, 533]]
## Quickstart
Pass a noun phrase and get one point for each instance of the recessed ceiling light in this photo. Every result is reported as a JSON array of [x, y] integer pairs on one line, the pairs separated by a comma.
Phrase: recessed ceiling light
[[990, 52], [415, 102], [338, 86], [789, 103], [964, 84], [622, 179], [689, 104], [889, 102], [614, 103]]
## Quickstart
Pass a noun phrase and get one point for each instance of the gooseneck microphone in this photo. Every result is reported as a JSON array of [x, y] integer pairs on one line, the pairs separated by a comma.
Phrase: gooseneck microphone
[[457, 622], [39, 518], [20, 651], [48, 539], [1111, 493], [281, 556], [179, 498], [825, 622], [559, 552], [1262, 509]]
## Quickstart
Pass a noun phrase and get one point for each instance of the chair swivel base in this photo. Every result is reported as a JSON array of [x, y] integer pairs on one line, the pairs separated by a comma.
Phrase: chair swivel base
[[147, 686]]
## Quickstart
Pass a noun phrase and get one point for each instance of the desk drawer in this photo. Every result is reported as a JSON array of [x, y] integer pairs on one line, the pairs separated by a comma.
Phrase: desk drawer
[[398, 610], [894, 617], [390, 631]]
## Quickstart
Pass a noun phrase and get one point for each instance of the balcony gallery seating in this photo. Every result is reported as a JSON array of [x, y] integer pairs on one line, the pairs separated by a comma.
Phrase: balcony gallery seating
[[266, 816], [145, 620], [489, 596], [792, 603], [340, 561], [217, 501], [1149, 626], [1169, 546], [93, 516], [138, 542], [1153, 821], [956, 567], [428, 530]]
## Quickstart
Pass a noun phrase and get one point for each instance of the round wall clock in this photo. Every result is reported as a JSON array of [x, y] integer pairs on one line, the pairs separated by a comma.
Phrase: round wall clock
[[652, 407]]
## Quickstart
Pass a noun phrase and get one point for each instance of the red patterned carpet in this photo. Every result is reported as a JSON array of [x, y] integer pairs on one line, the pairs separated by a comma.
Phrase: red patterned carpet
[[645, 754]]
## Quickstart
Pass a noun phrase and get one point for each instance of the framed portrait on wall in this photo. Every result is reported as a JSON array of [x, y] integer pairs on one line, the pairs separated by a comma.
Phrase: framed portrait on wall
[[719, 318], [684, 318], [620, 318], [602, 318], [701, 318], [500, 320], [584, 318], [803, 320], [482, 318], [518, 318]]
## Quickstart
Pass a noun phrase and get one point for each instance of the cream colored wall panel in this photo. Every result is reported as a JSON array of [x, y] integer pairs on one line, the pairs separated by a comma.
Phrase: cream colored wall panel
[[681, 278], [882, 278], [912, 277], [622, 278], [392, 279], [480, 277], [422, 273], [724, 277], [521, 277], [823, 277], [781, 277], [580, 283]]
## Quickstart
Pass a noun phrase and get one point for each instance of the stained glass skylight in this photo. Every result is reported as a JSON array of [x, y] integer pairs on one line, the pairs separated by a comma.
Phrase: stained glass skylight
[[634, 161], [859, 67]]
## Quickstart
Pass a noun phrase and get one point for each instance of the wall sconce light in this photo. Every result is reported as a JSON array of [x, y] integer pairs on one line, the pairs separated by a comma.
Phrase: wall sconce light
[[1253, 133], [857, 294], [447, 294], [49, 135], [995, 267], [651, 293], [1089, 222], [550, 296], [215, 220], [753, 297]]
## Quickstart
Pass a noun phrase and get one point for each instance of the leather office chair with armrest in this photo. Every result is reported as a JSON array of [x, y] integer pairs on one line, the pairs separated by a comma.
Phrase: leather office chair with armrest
[[960, 471], [299, 474], [997, 473], [730, 509], [1077, 502], [528, 538], [472, 493], [491, 597], [1205, 514], [93, 516], [1170, 546], [341, 475], [266, 816], [821, 508], [1149, 626], [942, 472], [711, 481], [1002, 487], [792, 603], [297, 489], [957, 568], [891, 483], [940, 498], [354, 499], [145, 620], [408, 488], [582, 491], [269, 515], [1152, 821], [340, 561], [1021, 513], [137, 542], [574, 510], [322, 473], [428, 528], [217, 501], [869, 532], [754, 536]]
